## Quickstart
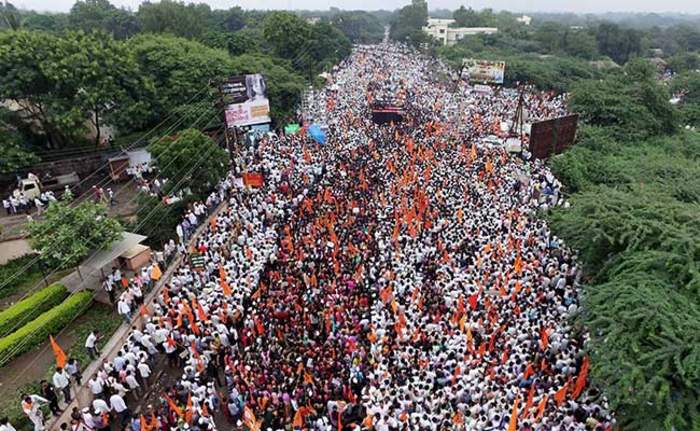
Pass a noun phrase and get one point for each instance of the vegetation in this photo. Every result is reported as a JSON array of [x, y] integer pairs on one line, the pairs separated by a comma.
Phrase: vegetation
[[189, 159], [29, 308], [409, 21], [68, 233], [97, 317], [36, 332], [635, 222], [17, 272]]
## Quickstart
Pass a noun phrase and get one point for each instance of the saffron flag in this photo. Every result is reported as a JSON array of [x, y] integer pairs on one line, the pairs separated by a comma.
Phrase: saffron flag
[[513, 425], [188, 410], [156, 273], [171, 404], [581, 379], [58, 353]]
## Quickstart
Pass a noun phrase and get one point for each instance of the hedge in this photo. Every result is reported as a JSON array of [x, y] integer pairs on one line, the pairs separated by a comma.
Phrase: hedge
[[38, 330], [30, 308]]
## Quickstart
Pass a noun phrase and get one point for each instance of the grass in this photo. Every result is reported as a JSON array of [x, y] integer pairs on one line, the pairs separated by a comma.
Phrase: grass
[[100, 317], [18, 272]]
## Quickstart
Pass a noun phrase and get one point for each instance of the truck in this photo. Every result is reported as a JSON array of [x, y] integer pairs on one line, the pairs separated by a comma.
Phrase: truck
[[32, 187]]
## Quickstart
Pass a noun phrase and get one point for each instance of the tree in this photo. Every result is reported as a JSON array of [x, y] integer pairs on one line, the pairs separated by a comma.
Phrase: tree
[[617, 43], [90, 15], [13, 154], [9, 17], [180, 72], [62, 83], [174, 17], [359, 26], [157, 220], [325, 46], [231, 20], [105, 76], [287, 34], [467, 18], [54, 22], [409, 22], [634, 106], [189, 159], [67, 234]]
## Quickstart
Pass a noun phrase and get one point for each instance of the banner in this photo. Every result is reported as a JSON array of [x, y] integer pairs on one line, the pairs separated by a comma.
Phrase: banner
[[485, 71], [253, 179], [291, 129], [245, 98]]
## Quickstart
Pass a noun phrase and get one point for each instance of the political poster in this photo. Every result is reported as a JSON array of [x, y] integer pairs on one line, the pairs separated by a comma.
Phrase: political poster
[[245, 100], [483, 71]]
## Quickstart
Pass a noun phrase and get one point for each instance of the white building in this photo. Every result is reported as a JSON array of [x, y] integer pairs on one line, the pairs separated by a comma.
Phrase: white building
[[440, 29], [524, 19]]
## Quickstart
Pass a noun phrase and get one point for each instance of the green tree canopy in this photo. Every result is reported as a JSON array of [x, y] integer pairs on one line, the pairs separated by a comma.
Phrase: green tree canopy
[[174, 17], [287, 34], [63, 83], [189, 159], [90, 15], [409, 22], [359, 26], [66, 234], [632, 104], [180, 72]]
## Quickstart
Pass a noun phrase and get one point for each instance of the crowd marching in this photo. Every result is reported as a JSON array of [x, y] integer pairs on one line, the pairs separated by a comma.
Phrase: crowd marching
[[396, 278]]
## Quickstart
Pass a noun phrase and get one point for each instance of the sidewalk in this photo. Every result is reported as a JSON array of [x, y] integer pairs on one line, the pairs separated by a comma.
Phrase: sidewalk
[[82, 395]]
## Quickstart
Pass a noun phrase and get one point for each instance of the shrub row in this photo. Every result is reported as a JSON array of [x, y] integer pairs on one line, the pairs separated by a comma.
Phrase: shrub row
[[30, 308], [37, 331]]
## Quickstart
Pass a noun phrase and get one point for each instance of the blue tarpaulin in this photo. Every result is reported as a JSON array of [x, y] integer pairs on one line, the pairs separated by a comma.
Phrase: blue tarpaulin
[[317, 134]]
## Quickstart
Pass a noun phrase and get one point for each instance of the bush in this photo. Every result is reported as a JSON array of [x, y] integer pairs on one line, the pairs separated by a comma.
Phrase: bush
[[29, 308], [35, 332]]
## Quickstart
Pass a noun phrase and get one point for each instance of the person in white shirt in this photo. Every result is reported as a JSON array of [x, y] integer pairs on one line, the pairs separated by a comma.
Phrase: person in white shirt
[[144, 372], [100, 406], [119, 406], [96, 385], [124, 309], [61, 380], [133, 383], [30, 406], [90, 344], [5, 425]]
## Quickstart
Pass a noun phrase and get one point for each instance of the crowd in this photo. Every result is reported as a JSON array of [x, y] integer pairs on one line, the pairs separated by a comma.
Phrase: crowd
[[395, 278]]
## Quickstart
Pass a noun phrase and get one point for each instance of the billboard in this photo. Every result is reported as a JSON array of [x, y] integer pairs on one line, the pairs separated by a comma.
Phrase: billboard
[[245, 100], [552, 136], [485, 71]]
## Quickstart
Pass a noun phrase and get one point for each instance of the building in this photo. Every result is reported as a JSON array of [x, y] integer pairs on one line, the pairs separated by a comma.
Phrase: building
[[440, 29], [524, 19]]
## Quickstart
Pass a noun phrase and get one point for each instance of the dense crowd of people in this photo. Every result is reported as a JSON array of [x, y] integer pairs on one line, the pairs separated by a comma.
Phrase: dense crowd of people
[[396, 278]]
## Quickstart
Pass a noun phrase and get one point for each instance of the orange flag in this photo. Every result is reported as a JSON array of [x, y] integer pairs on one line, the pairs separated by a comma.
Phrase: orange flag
[[544, 338], [513, 425], [528, 404], [58, 353], [225, 287], [144, 424], [143, 310], [200, 312], [188, 410], [156, 273], [581, 379], [560, 395], [173, 406], [541, 407]]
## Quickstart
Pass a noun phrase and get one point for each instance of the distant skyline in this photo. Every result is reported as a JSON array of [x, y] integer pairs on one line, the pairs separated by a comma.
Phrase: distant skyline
[[585, 6]]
